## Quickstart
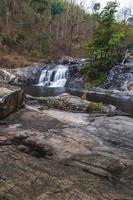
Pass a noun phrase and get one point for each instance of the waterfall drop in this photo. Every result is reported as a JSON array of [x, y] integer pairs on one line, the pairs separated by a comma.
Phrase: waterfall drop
[[56, 77]]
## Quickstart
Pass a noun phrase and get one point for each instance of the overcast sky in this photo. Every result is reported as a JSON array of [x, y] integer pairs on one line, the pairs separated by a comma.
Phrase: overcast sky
[[123, 3]]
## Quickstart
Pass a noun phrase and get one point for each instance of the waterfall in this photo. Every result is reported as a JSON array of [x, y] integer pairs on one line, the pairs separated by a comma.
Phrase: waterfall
[[56, 77], [120, 77]]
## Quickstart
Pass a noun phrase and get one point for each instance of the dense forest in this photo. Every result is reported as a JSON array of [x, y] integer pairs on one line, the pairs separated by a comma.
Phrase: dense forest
[[41, 27], [51, 28]]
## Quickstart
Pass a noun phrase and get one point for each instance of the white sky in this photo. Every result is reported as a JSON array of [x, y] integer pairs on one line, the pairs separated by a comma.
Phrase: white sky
[[123, 3]]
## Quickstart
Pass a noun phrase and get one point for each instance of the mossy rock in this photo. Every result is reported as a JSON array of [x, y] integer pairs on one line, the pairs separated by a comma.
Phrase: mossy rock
[[95, 107]]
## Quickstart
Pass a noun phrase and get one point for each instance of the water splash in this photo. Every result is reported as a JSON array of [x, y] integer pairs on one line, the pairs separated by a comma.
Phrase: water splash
[[56, 77]]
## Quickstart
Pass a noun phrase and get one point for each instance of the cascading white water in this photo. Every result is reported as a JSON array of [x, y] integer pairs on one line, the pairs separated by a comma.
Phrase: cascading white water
[[56, 77]]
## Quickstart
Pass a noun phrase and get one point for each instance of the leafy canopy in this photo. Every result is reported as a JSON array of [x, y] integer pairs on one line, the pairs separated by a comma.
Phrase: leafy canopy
[[57, 7], [39, 6], [106, 34], [107, 42]]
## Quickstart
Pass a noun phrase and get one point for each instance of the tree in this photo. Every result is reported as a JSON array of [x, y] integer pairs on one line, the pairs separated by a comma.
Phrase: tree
[[39, 6], [107, 36], [43, 40], [106, 46], [67, 24], [57, 7]]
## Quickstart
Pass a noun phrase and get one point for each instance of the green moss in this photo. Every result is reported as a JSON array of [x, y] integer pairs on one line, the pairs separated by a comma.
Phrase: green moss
[[49, 104], [95, 107]]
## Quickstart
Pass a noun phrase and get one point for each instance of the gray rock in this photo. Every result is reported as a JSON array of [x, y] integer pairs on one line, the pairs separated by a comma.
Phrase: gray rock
[[11, 99], [68, 102], [28, 75], [62, 155], [121, 100], [120, 77]]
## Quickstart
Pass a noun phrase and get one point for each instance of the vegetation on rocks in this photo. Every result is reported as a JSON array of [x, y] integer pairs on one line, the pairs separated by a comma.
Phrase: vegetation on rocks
[[109, 43], [65, 147], [48, 29]]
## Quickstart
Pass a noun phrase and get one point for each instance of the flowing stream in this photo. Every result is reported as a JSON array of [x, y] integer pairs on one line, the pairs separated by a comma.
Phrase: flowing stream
[[56, 77]]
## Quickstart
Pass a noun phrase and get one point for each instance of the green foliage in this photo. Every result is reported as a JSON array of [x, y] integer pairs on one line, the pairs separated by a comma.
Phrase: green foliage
[[34, 53], [13, 39], [96, 71], [107, 37], [57, 7], [99, 80], [95, 107], [106, 46], [129, 38], [39, 6], [43, 36], [44, 39]]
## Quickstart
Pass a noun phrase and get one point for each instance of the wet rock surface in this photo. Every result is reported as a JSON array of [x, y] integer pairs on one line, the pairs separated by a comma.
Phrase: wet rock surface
[[122, 100], [31, 74], [121, 77], [28, 75], [52, 154]]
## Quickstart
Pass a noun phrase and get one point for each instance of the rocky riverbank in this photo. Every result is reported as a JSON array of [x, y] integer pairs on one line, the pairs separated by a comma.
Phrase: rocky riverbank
[[49, 154], [50, 73], [66, 147], [119, 77]]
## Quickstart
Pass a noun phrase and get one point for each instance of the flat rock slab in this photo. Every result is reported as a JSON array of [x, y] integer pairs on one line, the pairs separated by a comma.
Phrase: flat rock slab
[[47, 156], [11, 99], [68, 102]]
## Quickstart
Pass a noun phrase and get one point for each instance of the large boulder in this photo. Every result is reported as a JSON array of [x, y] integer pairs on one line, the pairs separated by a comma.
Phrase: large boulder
[[69, 102], [28, 75], [11, 99]]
